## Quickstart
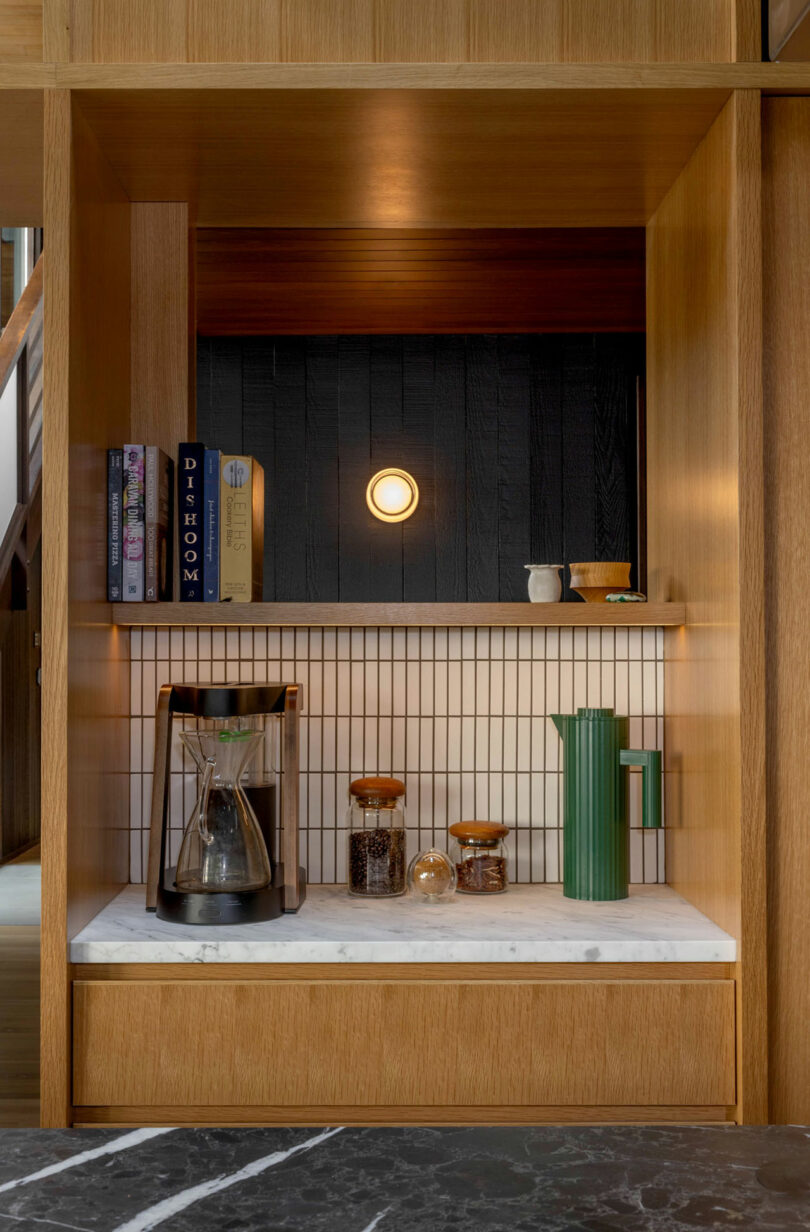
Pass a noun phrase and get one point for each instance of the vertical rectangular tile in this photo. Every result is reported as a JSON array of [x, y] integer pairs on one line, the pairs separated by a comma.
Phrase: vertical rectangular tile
[[471, 728]]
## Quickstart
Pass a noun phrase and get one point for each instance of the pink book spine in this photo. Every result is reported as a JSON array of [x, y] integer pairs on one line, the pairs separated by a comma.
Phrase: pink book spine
[[134, 523]]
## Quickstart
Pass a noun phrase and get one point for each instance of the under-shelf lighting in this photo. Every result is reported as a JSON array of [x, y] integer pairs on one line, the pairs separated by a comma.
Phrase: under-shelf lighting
[[392, 495]]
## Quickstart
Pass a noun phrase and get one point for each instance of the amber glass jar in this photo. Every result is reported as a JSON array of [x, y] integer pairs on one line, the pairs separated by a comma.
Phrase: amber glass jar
[[480, 857], [376, 858]]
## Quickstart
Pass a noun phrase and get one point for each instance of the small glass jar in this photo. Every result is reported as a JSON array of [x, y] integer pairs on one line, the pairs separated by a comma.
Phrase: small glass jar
[[432, 876], [480, 857], [376, 858]]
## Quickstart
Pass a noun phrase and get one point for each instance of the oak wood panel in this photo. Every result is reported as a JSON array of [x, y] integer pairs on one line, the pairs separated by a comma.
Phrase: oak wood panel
[[56, 17], [55, 1006], [85, 753], [424, 614], [503, 972], [455, 31], [772, 78], [118, 31], [122, 1117], [20, 31], [397, 282], [19, 1027], [401, 158], [705, 543], [160, 410], [238, 31], [98, 665], [21, 145], [752, 981], [747, 43], [668, 1043], [786, 228], [590, 31]]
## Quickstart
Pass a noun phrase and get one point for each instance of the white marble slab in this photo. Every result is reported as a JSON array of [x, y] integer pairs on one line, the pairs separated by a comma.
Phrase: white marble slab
[[527, 924]]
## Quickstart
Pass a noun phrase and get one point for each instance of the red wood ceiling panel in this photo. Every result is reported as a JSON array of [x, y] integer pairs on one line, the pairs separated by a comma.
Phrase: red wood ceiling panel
[[400, 282]]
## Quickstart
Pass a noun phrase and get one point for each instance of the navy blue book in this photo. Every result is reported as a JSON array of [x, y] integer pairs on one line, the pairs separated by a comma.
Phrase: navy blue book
[[115, 524], [190, 466], [211, 526]]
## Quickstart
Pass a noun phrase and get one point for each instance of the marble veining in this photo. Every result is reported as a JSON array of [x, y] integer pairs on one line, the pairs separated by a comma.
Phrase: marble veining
[[472, 1179], [527, 924]]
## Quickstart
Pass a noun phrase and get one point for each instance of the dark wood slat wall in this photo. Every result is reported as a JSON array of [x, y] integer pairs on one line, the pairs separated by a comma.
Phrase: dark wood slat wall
[[523, 447], [257, 281]]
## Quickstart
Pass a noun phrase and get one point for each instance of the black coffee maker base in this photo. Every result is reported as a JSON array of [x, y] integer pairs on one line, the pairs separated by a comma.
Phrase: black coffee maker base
[[246, 907]]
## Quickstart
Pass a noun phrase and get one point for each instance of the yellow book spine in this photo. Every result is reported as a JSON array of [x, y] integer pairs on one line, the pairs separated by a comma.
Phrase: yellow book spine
[[241, 529]]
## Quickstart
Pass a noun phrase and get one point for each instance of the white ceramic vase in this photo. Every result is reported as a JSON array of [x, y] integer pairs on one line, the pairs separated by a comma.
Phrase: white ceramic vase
[[545, 583]]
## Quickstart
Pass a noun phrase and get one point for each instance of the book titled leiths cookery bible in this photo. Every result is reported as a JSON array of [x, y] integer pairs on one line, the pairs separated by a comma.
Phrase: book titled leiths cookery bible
[[241, 520]]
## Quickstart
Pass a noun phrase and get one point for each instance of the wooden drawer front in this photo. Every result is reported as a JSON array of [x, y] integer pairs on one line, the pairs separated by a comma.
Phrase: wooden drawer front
[[400, 1042]]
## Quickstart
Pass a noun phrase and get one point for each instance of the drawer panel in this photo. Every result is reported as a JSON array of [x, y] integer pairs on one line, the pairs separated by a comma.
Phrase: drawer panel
[[368, 1042]]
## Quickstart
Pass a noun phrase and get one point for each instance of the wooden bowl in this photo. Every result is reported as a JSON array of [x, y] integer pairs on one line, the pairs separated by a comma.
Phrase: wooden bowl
[[595, 580]]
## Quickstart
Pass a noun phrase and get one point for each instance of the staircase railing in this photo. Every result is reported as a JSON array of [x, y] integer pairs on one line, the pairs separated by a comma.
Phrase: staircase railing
[[20, 431]]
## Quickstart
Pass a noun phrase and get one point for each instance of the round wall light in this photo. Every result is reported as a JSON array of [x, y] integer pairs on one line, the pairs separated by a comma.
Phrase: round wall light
[[392, 495]]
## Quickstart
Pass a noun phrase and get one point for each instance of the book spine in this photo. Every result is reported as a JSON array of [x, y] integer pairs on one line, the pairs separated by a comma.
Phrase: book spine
[[134, 525], [150, 559], [115, 524], [165, 528], [190, 462], [257, 544], [211, 526], [158, 556], [241, 533]]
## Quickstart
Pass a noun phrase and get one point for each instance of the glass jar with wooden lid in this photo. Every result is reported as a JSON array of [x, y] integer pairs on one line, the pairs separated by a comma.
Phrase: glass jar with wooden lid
[[376, 859], [480, 857]]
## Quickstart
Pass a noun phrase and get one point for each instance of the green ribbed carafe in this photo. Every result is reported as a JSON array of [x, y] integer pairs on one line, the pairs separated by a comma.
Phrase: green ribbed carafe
[[596, 835]]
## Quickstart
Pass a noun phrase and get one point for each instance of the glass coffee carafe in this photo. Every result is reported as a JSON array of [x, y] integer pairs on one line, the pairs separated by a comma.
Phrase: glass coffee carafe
[[223, 848]]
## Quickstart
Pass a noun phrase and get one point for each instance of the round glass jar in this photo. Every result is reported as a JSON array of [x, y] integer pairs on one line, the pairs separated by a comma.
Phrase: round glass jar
[[432, 876], [480, 857], [376, 856]]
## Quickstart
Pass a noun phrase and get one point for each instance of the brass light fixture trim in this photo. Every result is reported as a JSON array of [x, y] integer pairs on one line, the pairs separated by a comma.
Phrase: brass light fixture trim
[[392, 494]]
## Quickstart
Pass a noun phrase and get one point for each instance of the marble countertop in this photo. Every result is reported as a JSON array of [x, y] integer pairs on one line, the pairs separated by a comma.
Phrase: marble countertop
[[481, 1179], [530, 923]]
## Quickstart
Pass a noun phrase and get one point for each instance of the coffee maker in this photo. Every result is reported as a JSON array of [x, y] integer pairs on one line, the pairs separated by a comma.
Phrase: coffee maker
[[201, 889]]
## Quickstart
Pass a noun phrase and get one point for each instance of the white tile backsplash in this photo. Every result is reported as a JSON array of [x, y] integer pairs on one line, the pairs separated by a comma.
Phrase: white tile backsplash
[[460, 714]]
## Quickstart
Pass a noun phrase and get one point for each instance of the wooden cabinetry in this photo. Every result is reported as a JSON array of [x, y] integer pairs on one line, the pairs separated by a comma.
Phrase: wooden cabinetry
[[398, 31], [786, 230], [440, 1044], [456, 136]]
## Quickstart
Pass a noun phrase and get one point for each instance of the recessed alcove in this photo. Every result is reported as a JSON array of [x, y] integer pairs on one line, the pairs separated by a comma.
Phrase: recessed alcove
[[136, 177], [503, 369]]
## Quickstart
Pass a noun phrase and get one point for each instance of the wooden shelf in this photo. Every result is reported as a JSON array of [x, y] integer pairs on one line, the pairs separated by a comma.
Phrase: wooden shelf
[[354, 614], [265, 75], [777, 78]]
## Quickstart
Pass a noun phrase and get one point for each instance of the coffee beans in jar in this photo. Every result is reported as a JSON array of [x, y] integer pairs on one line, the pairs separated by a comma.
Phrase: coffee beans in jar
[[480, 857], [376, 855]]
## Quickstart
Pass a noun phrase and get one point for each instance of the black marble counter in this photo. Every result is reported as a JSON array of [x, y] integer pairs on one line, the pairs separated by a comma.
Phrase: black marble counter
[[404, 1180]]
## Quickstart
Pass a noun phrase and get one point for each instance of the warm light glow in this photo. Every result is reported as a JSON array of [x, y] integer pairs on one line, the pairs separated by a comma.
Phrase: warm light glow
[[392, 495]]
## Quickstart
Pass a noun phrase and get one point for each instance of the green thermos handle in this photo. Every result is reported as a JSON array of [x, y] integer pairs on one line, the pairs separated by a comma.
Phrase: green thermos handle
[[650, 761]]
